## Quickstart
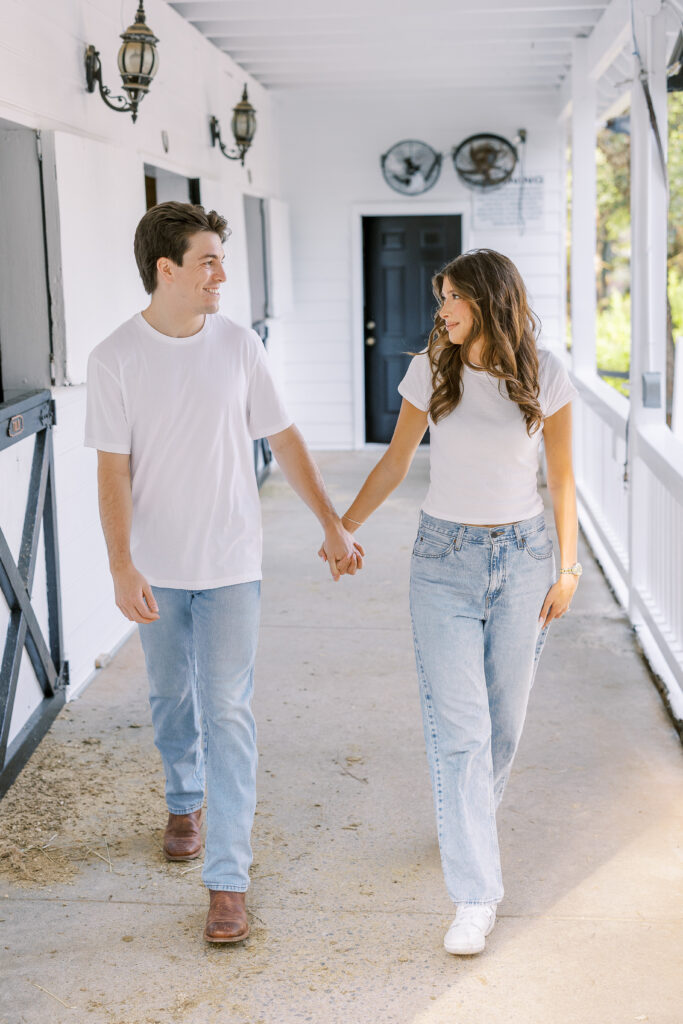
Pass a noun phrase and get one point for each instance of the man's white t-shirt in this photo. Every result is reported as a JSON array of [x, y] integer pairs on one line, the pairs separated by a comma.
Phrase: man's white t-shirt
[[482, 462], [187, 410]]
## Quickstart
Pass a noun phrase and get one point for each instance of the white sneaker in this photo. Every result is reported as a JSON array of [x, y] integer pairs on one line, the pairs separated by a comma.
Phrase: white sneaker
[[473, 922]]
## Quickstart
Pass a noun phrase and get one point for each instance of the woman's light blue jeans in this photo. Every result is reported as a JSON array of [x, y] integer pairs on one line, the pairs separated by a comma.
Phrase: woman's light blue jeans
[[200, 662], [476, 594]]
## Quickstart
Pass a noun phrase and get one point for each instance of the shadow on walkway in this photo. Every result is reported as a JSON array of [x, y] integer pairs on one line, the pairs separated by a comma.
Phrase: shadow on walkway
[[347, 900]]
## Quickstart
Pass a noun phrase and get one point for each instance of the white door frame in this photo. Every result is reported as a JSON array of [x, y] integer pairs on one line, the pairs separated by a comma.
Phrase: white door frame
[[405, 208]]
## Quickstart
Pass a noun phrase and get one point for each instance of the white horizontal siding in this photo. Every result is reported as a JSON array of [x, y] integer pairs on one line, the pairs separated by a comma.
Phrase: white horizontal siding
[[317, 353], [331, 390], [308, 371]]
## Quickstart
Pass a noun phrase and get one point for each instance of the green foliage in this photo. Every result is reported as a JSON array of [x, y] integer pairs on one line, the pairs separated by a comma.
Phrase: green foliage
[[614, 241], [613, 271], [676, 298], [613, 168], [675, 162], [613, 340]]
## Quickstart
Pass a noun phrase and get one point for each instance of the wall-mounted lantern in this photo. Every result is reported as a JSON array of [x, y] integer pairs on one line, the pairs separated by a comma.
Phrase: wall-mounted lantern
[[138, 62], [243, 128]]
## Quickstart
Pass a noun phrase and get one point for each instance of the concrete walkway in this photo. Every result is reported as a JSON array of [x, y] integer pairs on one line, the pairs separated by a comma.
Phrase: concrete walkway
[[348, 904]]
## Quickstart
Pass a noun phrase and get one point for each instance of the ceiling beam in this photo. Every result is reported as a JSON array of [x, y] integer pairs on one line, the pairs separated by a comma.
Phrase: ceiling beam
[[233, 9], [480, 22], [605, 44], [257, 67], [321, 45], [494, 33], [416, 81]]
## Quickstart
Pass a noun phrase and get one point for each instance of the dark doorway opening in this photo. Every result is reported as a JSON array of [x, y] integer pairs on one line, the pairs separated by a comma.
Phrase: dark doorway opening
[[164, 186], [257, 259], [400, 257]]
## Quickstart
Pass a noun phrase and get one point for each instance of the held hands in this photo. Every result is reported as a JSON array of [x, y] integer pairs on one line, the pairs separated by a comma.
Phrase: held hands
[[134, 595], [343, 554], [558, 599]]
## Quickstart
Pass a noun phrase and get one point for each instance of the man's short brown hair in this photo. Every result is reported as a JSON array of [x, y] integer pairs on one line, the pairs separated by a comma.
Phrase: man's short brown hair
[[165, 230]]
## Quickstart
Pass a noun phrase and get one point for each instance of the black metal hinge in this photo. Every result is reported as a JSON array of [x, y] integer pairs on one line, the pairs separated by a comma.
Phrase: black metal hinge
[[48, 414]]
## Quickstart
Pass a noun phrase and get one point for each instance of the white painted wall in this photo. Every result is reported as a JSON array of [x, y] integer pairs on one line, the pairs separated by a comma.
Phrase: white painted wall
[[329, 151], [94, 203]]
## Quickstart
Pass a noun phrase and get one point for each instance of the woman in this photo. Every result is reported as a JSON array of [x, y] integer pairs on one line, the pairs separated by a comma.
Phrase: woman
[[483, 588]]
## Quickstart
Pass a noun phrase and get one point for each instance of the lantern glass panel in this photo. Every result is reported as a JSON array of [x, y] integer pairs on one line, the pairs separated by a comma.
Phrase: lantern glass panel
[[149, 61], [129, 58], [137, 58], [243, 125]]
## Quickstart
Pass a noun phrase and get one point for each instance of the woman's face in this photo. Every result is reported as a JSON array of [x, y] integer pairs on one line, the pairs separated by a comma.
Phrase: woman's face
[[456, 313]]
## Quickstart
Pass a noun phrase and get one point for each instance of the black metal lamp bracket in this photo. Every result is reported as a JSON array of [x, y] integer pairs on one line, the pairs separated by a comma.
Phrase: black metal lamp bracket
[[216, 138], [93, 75]]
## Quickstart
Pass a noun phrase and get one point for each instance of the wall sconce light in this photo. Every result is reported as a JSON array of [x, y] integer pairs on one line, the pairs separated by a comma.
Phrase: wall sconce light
[[243, 128], [138, 62]]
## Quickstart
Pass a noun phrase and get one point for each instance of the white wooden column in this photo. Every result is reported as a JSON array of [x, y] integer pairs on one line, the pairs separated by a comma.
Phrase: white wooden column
[[648, 216], [648, 276], [584, 211]]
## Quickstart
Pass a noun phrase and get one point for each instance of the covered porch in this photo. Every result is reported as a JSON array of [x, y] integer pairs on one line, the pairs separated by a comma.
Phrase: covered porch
[[347, 901]]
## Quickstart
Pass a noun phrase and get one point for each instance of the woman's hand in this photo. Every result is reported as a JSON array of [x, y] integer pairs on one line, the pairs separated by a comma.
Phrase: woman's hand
[[347, 563], [343, 554], [558, 598]]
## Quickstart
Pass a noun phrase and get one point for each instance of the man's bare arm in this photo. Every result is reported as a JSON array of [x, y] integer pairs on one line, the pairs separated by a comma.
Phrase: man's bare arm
[[289, 448], [132, 591]]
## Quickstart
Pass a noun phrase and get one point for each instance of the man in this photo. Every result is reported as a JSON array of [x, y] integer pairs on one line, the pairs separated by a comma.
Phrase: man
[[176, 397]]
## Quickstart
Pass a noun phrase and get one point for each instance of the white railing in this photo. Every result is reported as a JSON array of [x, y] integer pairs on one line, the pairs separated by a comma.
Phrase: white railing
[[600, 433], [657, 578], [635, 525]]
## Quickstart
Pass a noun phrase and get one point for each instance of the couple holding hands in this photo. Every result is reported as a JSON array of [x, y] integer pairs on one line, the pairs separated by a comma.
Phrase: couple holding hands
[[176, 397]]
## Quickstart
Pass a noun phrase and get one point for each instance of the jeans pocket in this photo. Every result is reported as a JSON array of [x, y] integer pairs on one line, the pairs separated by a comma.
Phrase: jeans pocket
[[539, 545], [432, 544]]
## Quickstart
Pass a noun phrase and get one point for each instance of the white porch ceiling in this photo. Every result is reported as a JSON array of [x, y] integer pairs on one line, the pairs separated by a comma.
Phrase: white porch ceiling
[[518, 46]]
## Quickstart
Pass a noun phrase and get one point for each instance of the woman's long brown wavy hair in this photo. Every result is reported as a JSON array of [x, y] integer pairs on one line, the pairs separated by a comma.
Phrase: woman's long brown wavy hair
[[495, 291]]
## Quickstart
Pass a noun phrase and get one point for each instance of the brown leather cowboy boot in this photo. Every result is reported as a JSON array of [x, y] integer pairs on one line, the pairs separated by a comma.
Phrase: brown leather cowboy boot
[[182, 840], [227, 917]]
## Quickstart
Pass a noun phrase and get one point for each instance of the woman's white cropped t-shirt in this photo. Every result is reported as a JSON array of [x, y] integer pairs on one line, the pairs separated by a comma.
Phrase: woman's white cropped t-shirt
[[483, 463]]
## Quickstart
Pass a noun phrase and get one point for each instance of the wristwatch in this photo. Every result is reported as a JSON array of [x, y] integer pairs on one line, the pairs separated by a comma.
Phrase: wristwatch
[[573, 570]]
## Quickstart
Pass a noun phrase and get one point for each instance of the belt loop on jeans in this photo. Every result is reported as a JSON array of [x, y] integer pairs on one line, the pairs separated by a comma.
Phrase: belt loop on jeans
[[518, 535], [459, 536]]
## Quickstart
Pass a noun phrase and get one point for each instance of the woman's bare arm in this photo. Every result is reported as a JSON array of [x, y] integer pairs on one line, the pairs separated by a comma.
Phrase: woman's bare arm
[[557, 433], [391, 468]]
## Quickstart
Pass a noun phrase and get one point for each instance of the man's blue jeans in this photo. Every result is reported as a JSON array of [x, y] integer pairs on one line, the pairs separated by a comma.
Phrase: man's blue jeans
[[476, 594], [200, 662]]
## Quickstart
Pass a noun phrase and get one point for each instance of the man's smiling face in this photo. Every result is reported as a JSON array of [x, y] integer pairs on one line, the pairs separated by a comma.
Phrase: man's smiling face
[[196, 284]]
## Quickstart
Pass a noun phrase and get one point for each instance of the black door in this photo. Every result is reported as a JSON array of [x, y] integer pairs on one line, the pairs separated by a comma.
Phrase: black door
[[400, 257]]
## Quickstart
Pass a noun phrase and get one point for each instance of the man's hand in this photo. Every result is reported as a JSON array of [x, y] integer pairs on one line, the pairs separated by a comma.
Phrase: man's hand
[[343, 554], [134, 595]]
